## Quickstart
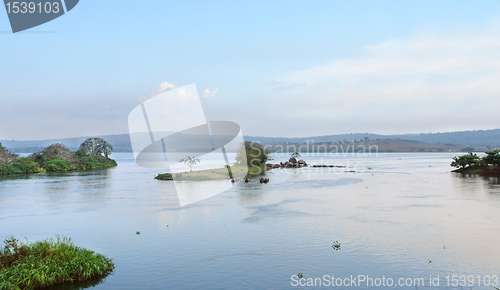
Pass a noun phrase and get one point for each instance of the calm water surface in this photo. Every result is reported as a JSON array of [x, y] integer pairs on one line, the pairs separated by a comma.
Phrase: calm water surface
[[406, 217]]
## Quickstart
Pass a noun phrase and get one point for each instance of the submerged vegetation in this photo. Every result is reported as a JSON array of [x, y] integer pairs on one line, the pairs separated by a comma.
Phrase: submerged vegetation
[[92, 154], [47, 263], [489, 165]]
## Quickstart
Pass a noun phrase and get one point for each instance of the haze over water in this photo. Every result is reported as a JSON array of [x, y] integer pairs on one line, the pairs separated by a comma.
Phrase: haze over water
[[406, 217]]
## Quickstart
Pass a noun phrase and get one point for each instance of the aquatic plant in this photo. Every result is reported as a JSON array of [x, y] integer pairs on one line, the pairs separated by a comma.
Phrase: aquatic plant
[[47, 263], [300, 275], [336, 245], [137, 233]]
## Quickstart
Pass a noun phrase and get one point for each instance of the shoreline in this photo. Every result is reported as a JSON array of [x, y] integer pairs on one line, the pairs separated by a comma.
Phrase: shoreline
[[483, 170]]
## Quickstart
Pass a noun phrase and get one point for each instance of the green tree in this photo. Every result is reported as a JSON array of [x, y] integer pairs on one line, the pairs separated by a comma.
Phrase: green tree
[[26, 165], [492, 158], [465, 160], [252, 154], [96, 146], [54, 152], [190, 161]]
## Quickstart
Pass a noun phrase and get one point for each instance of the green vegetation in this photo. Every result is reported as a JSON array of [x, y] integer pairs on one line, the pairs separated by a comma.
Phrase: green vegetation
[[336, 245], [465, 160], [251, 159], [92, 154], [164, 176], [300, 275], [47, 263], [20, 166], [473, 164], [212, 174], [252, 154]]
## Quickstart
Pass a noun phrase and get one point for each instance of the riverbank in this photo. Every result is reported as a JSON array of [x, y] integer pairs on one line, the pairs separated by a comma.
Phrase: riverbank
[[212, 174], [47, 263], [484, 170]]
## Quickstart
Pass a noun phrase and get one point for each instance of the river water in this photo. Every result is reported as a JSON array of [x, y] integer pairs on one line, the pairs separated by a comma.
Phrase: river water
[[401, 216]]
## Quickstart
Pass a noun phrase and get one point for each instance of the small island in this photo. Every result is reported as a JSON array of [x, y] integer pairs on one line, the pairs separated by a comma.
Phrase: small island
[[251, 159], [470, 163], [93, 154], [47, 263]]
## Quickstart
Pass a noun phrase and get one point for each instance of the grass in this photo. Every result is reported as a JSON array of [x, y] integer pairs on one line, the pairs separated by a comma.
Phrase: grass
[[212, 174], [48, 263]]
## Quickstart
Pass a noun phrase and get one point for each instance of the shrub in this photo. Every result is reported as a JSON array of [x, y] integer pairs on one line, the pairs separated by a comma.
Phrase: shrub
[[465, 160], [5, 156], [58, 165], [252, 154], [53, 152], [6, 169], [26, 165], [492, 158], [164, 176], [94, 162]]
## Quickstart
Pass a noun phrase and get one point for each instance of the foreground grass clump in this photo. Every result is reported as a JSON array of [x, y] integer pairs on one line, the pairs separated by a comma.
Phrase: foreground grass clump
[[47, 263]]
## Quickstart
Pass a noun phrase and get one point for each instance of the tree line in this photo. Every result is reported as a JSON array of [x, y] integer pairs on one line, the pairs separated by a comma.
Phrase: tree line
[[470, 159], [93, 153]]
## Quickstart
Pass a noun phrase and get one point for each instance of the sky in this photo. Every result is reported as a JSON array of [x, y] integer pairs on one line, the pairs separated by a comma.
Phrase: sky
[[277, 68]]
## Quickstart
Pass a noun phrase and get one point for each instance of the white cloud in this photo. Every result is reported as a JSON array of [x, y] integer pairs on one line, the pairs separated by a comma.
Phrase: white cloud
[[439, 82], [209, 94], [164, 87]]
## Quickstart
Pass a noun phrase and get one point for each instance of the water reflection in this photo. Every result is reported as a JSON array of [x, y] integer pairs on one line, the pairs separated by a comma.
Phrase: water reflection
[[477, 186], [90, 283]]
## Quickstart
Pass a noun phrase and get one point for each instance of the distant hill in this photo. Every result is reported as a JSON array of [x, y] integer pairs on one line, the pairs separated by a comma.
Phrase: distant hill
[[121, 143], [477, 138]]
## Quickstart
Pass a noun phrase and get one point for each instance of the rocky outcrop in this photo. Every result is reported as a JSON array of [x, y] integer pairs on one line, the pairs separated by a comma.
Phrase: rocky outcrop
[[291, 163], [322, 165]]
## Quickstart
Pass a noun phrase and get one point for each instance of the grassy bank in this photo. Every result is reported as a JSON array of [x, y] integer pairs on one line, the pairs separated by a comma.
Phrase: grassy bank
[[48, 263], [212, 174]]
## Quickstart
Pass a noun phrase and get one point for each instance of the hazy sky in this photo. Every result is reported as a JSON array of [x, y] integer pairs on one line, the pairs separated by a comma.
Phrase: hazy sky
[[278, 68]]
